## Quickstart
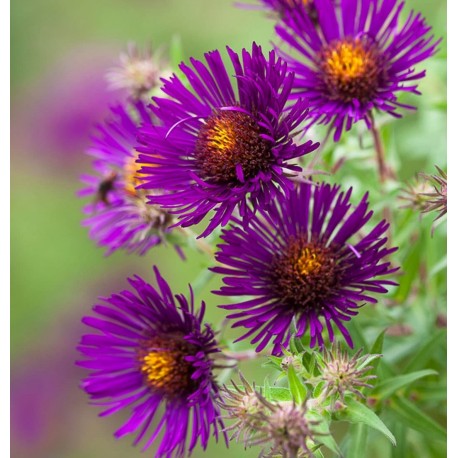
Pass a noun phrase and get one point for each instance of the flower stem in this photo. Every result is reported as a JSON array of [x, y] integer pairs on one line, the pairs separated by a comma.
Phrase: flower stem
[[201, 244], [384, 171], [380, 151]]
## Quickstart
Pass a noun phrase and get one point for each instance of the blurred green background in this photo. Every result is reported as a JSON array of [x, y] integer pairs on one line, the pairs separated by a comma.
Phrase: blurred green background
[[60, 50]]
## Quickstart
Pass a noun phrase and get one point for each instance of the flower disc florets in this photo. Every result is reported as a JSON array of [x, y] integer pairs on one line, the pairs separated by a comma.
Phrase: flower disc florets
[[229, 148], [351, 68]]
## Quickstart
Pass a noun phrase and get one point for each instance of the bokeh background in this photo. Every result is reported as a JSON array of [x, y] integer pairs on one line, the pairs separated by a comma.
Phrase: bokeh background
[[60, 51]]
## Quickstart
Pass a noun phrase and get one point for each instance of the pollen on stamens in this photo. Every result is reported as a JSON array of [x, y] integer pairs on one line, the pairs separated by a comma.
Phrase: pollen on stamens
[[162, 362], [351, 69], [304, 273], [229, 148]]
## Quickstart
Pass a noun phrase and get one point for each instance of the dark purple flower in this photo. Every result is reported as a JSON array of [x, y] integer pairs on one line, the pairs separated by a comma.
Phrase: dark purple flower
[[150, 349], [120, 217], [298, 264], [358, 58], [218, 151]]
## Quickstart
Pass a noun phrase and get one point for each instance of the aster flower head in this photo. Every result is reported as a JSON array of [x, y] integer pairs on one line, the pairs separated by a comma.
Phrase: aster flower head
[[138, 72], [119, 216], [359, 58], [218, 151], [304, 260], [150, 349]]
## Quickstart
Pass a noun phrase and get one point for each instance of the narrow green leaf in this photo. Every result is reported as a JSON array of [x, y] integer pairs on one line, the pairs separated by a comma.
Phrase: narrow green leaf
[[298, 390], [359, 413], [432, 392], [400, 431], [390, 386], [358, 441], [407, 412], [425, 351]]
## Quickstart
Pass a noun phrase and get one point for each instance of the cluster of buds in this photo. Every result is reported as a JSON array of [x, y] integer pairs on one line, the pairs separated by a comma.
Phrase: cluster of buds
[[286, 428], [283, 427], [138, 72], [428, 194], [436, 200], [342, 375], [241, 404]]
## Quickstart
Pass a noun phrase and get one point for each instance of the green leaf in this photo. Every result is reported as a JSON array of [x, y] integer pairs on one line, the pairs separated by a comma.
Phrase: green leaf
[[318, 389], [400, 431], [408, 413], [325, 436], [411, 266], [298, 390], [368, 360], [176, 51], [356, 412], [273, 361], [390, 386], [438, 267], [358, 441], [424, 352], [281, 394], [377, 349], [432, 392]]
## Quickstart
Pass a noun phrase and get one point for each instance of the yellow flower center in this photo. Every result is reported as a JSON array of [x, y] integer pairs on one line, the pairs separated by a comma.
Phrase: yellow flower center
[[163, 364], [304, 273], [348, 60], [309, 261], [229, 148], [351, 69], [159, 366], [221, 137]]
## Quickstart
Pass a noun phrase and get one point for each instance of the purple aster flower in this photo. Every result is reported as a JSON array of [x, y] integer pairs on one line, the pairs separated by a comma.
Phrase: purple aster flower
[[359, 58], [150, 349], [218, 151], [280, 8], [120, 217], [298, 264]]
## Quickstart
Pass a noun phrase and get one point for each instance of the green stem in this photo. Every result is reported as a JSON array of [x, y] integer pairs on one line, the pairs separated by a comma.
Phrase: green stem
[[380, 151]]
